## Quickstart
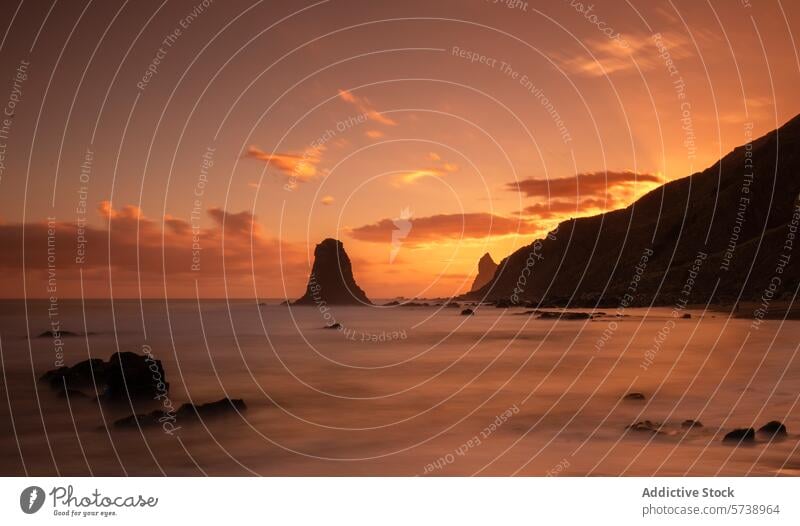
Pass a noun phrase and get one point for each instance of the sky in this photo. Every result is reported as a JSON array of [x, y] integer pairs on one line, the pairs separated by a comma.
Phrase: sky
[[183, 149]]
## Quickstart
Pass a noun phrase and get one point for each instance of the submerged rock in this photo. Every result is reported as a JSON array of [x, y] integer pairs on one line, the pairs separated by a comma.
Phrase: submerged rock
[[467, 312], [646, 426], [188, 411], [691, 424], [773, 428], [742, 435], [633, 396], [333, 326], [58, 334], [551, 315]]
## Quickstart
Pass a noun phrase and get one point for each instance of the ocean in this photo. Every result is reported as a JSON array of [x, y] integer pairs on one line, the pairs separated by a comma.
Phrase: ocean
[[410, 391]]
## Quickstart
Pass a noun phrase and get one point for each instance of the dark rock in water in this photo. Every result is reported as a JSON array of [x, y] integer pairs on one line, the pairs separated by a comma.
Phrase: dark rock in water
[[646, 426], [333, 326], [688, 424], [550, 315], [742, 435], [125, 374], [486, 269], [633, 396], [467, 312], [502, 304], [132, 375], [392, 303], [686, 316], [223, 407], [72, 393], [85, 374], [773, 428], [58, 334], [452, 305], [331, 281], [150, 419]]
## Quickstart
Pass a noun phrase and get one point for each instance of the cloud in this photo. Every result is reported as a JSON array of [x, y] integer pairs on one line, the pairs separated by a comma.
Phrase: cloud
[[327, 200], [558, 209], [302, 167], [582, 194], [365, 107], [439, 169], [603, 185], [619, 56], [374, 134], [443, 227], [128, 248]]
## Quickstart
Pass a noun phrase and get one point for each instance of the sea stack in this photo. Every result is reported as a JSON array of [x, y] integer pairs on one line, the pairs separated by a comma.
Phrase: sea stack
[[331, 281], [486, 269]]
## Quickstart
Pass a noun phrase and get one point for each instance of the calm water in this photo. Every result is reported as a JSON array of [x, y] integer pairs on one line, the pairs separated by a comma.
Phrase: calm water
[[406, 391]]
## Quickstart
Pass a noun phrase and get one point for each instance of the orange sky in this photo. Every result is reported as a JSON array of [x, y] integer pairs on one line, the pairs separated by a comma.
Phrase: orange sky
[[215, 158]]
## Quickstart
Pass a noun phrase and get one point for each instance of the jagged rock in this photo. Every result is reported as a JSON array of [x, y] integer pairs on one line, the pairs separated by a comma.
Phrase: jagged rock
[[333, 326], [689, 424], [486, 269], [773, 428], [331, 281], [742, 435], [467, 312], [633, 396]]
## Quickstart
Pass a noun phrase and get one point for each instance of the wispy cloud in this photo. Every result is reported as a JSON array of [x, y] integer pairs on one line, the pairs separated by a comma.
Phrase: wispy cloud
[[610, 57], [365, 107], [297, 167]]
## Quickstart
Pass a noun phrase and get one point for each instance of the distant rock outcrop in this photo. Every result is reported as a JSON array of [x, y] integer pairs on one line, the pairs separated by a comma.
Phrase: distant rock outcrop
[[486, 269], [331, 281]]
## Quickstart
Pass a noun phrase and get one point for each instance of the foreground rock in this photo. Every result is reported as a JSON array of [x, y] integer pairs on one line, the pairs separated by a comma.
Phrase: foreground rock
[[331, 281], [773, 428], [125, 375], [187, 412], [741, 436], [467, 312]]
